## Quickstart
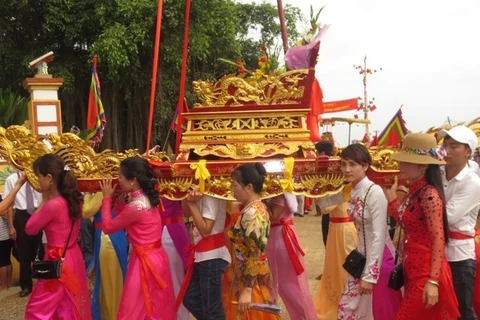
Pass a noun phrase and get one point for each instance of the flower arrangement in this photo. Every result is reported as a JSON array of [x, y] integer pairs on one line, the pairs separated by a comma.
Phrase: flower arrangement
[[299, 56], [265, 65], [315, 27]]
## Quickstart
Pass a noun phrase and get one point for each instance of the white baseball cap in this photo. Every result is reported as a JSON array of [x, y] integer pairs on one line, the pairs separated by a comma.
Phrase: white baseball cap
[[461, 134]]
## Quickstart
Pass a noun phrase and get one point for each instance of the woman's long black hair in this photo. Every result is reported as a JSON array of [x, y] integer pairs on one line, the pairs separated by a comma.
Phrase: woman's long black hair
[[64, 180], [433, 177], [136, 167]]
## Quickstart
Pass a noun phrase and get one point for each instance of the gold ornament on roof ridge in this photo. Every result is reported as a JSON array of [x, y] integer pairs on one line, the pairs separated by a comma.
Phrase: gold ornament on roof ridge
[[283, 88]]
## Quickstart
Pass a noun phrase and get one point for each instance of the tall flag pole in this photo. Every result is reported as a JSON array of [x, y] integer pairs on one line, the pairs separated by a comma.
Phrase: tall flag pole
[[96, 120], [156, 53], [283, 25], [366, 106], [182, 106]]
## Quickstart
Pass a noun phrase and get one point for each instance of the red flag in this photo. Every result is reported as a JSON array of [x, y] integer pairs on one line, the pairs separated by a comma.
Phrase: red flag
[[316, 100], [341, 105], [374, 142], [372, 108], [366, 138], [356, 116], [394, 132]]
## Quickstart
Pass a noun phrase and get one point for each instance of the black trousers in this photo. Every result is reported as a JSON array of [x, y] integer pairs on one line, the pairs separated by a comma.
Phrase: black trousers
[[87, 232], [325, 226], [463, 276], [204, 293], [25, 248]]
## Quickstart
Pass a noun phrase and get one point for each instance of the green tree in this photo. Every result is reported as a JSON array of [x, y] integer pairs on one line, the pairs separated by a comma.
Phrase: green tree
[[13, 108], [121, 32]]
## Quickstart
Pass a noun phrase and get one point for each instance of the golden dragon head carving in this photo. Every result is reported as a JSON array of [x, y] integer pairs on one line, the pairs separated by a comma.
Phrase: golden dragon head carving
[[21, 148]]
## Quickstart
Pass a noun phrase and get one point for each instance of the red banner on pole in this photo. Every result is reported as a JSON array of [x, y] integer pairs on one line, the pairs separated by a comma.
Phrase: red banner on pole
[[341, 105]]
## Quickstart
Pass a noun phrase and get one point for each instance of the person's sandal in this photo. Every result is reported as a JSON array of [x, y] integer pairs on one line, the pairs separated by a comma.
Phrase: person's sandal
[[25, 293]]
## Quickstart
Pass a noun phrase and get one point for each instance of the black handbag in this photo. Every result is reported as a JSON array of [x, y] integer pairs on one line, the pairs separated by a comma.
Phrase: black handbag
[[396, 280], [49, 269], [355, 261]]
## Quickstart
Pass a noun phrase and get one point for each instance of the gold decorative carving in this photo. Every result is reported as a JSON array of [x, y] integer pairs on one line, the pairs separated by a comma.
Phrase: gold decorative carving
[[253, 123], [319, 185], [215, 124], [381, 159], [21, 148], [305, 167], [311, 185], [243, 136], [247, 150], [175, 188], [240, 90]]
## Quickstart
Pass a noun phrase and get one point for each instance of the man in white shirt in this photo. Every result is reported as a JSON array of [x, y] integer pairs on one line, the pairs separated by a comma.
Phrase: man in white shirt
[[462, 196], [25, 248], [203, 297]]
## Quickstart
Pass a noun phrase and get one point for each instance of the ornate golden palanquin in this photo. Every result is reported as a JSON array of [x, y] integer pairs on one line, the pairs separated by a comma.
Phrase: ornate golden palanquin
[[312, 176], [239, 119]]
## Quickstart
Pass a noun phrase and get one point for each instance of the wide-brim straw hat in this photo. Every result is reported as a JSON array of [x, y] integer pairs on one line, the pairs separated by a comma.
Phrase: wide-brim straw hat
[[419, 148]]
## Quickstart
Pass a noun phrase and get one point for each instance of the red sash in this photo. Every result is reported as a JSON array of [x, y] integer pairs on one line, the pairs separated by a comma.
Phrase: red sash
[[206, 244], [68, 278], [173, 220], [476, 287], [98, 225], [290, 239], [145, 267], [340, 220]]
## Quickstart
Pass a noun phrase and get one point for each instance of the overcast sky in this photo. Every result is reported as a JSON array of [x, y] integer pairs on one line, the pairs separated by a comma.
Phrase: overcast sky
[[429, 51]]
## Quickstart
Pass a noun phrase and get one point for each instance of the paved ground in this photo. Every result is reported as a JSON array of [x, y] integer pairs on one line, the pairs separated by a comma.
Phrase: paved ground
[[308, 228]]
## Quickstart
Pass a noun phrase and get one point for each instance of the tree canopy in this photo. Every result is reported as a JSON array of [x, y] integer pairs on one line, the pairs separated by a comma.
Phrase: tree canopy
[[121, 33]]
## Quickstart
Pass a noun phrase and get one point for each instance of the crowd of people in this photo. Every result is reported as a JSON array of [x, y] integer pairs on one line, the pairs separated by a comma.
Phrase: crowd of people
[[127, 254]]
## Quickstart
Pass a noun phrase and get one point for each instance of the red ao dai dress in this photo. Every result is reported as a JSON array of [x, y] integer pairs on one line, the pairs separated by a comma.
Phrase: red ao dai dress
[[421, 217]]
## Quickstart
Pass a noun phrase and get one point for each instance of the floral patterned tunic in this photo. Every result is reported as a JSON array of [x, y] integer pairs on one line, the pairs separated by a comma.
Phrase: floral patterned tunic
[[249, 241]]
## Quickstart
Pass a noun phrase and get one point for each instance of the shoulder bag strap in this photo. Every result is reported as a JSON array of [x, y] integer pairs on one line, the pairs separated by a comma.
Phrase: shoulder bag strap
[[363, 220], [410, 200], [397, 249], [68, 240]]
